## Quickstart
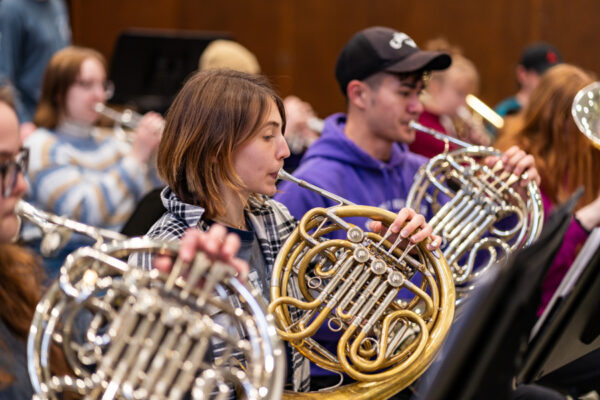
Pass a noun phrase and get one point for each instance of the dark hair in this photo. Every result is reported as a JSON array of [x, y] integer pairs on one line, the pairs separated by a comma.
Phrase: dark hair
[[61, 73], [215, 113], [375, 80]]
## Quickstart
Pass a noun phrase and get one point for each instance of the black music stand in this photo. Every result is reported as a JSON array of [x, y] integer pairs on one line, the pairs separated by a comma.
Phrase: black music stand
[[483, 350], [149, 66], [570, 325]]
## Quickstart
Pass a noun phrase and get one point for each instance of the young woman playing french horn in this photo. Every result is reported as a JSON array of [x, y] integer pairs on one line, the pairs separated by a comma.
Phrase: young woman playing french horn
[[220, 153]]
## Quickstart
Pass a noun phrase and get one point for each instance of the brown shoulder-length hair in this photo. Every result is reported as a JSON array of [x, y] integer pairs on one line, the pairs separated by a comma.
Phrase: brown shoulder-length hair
[[564, 157], [61, 72], [215, 113]]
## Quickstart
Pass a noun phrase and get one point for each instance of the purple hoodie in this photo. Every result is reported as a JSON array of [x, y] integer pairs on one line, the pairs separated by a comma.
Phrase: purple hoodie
[[338, 165]]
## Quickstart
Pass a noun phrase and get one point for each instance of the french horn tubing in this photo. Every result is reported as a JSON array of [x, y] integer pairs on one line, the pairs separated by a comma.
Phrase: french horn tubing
[[128, 333], [477, 211], [392, 306]]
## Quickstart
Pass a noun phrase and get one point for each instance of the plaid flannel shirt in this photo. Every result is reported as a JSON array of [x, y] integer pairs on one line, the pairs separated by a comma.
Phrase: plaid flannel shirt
[[272, 224]]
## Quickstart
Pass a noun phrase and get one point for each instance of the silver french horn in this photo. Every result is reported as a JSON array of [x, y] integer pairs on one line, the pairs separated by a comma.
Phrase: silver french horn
[[586, 112], [477, 211], [127, 333]]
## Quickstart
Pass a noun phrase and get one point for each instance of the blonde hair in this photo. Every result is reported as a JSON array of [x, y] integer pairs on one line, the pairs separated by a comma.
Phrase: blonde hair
[[228, 54], [461, 65]]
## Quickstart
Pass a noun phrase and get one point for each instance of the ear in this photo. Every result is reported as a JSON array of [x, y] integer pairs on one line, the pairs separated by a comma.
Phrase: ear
[[358, 93], [521, 73]]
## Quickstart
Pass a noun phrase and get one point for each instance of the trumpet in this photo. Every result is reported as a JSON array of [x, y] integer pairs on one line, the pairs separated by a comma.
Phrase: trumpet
[[127, 118], [485, 111]]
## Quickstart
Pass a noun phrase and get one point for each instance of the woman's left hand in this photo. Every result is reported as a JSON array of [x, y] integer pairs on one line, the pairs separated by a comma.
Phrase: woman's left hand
[[216, 243], [415, 230]]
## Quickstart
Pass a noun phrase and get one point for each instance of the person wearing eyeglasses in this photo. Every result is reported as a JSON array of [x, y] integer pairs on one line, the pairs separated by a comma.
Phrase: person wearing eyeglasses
[[20, 275], [75, 171]]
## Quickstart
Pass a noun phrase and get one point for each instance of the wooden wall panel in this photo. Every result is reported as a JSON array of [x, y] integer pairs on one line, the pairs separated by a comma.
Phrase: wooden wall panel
[[297, 41]]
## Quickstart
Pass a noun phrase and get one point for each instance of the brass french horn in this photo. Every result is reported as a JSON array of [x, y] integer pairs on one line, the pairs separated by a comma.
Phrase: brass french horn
[[392, 306], [477, 211], [127, 333]]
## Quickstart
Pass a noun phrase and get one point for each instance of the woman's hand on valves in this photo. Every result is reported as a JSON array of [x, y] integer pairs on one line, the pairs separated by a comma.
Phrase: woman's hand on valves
[[216, 243], [411, 226]]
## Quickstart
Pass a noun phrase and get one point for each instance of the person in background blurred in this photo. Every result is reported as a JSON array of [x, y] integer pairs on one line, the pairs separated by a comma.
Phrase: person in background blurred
[[31, 31], [78, 170], [444, 102], [222, 53], [536, 58], [566, 158]]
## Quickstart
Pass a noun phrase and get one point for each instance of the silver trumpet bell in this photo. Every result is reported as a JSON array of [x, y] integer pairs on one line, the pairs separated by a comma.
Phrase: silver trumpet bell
[[477, 211], [128, 333], [586, 112]]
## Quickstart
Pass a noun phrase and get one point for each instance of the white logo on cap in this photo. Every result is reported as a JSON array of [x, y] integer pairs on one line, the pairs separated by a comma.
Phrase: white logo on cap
[[399, 39]]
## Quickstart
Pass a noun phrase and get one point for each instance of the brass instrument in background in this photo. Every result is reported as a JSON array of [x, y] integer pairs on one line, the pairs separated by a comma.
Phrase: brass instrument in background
[[468, 122], [393, 307], [478, 213], [135, 334], [127, 118], [586, 112], [485, 111]]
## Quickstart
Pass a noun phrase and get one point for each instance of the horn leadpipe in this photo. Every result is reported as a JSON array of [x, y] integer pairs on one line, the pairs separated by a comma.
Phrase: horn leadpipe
[[282, 174], [439, 135]]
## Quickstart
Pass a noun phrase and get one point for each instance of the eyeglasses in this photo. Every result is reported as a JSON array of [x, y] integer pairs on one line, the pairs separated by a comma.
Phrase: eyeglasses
[[107, 86], [9, 171]]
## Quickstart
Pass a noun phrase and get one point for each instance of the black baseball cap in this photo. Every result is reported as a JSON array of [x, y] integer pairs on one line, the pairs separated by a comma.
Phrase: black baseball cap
[[540, 56], [377, 49]]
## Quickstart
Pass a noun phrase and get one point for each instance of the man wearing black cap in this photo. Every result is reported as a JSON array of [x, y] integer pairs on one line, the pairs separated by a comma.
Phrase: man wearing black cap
[[380, 71], [363, 155], [535, 60]]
